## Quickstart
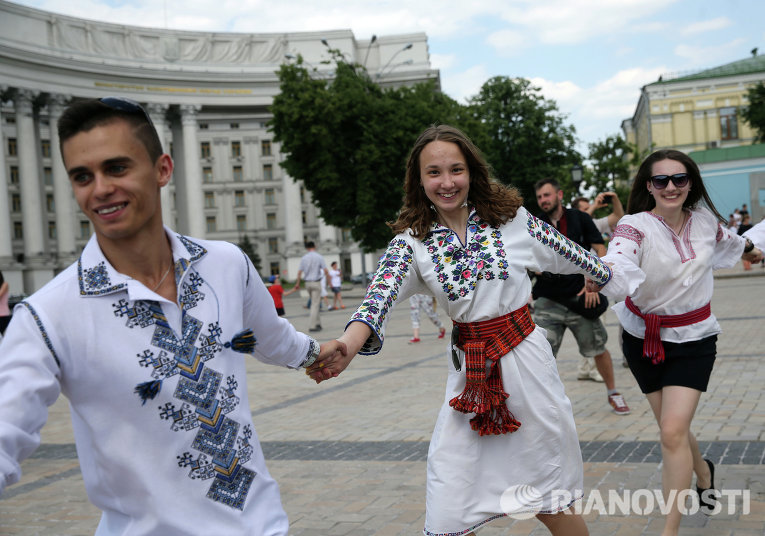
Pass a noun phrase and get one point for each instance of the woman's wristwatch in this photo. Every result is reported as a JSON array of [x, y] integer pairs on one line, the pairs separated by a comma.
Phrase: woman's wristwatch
[[749, 246], [313, 353]]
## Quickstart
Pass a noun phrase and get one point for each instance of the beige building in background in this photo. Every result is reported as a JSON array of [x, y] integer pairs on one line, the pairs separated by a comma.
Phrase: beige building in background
[[696, 111], [209, 96]]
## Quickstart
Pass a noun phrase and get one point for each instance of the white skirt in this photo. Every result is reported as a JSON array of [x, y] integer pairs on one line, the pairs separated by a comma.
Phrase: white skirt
[[474, 479]]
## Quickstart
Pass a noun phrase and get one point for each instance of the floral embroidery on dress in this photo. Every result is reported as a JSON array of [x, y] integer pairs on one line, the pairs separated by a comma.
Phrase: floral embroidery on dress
[[458, 267], [569, 250], [383, 291]]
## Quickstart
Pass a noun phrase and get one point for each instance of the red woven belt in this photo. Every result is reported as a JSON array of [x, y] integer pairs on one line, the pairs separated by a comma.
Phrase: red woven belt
[[652, 345], [490, 339]]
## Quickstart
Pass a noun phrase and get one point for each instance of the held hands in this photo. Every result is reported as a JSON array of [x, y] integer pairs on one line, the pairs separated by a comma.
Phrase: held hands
[[753, 256], [333, 359], [591, 297]]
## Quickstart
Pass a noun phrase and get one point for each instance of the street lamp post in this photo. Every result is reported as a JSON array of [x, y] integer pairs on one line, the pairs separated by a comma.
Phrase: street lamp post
[[576, 177], [381, 71], [369, 46]]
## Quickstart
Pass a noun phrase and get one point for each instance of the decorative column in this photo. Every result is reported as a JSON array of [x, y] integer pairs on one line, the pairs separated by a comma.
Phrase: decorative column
[[158, 114], [6, 236], [37, 274], [293, 225], [66, 223], [328, 246], [192, 180]]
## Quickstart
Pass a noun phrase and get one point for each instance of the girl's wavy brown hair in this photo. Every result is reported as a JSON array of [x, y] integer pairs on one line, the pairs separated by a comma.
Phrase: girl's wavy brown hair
[[494, 203]]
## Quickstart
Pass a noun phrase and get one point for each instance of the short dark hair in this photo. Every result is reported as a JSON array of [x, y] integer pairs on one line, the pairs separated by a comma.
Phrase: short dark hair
[[547, 180], [83, 116], [310, 245], [575, 202]]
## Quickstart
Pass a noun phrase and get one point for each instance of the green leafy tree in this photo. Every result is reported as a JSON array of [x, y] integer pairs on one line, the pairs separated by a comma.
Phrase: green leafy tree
[[611, 161], [347, 140], [523, 135], [250, 250], [754, 112]]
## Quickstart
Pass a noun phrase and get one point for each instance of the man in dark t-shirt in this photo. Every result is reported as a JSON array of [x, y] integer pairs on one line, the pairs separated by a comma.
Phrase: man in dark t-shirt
[[552, 291]]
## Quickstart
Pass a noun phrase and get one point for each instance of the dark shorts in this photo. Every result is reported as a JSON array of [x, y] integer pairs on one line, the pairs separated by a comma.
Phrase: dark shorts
[[280, 311], [687, 364], [336, 290]]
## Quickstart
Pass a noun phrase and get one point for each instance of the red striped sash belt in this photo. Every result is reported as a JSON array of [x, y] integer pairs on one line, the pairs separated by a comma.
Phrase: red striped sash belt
[[652, 345], [490, 339]]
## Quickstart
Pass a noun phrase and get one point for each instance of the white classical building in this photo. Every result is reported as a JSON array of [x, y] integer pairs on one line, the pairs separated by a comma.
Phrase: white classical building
[[209, 96]]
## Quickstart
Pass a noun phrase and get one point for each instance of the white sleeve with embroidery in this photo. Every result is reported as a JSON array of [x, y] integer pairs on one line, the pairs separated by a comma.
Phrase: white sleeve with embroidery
[[555, 253], [728, 249], [393, 281], [624, 255], [28, 385]]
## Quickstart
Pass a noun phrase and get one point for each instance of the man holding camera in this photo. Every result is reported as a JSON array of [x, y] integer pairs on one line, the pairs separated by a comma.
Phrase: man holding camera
[[606, 224]]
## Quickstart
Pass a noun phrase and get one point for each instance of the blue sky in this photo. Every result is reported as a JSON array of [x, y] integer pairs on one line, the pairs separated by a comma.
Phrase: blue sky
[[590, 56]]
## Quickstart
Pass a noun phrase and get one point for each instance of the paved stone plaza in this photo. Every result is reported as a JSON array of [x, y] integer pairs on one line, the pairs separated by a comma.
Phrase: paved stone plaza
[[350, 453]]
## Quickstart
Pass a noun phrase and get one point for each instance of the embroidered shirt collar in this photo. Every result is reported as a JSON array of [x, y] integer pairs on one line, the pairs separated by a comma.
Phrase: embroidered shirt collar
[[98, 277], [436, 227]]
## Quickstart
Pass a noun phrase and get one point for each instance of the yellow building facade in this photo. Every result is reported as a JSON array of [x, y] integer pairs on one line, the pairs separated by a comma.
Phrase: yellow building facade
[[697, 111]]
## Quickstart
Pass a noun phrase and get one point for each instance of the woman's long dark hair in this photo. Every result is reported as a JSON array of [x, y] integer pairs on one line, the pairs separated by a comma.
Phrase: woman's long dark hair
[[495, 203], [640, 200]]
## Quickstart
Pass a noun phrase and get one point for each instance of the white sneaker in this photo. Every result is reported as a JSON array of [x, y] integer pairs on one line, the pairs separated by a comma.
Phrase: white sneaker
[[588, 370]]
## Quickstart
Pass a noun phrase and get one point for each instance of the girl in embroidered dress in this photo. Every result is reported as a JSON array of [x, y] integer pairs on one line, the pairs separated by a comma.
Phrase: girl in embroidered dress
[[504, 442], [666, 247]]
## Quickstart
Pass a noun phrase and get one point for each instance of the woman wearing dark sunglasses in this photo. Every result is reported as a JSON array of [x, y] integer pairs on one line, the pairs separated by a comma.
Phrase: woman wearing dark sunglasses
[[667, 246]]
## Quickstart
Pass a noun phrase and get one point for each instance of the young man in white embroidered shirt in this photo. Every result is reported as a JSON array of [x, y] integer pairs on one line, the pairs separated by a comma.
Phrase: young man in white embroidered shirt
[[665, 249], [145, 335]]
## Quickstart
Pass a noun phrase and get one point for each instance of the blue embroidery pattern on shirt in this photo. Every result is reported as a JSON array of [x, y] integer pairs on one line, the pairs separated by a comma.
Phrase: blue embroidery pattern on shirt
[[95, 281], [204, 399]]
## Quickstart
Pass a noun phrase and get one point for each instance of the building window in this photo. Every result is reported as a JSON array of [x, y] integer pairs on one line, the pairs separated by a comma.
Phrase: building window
[[728, 124], [212, 224], [52, 230], [265, 147], [18, 230], [204, 149], [241, 222], [45, 148], [236, 149], [237, 173], [239, 198], [10, 119], [84, 229], [14, 175], [274, 268], [48, 176], [50, 203], [302, 194], [304, 217], [270, 198], [203, 126], [273, 245], [15, 203], [268, 172], [270, 220], [346, 235], [234, 126], [209, 199], [207, 174], [12, 147]]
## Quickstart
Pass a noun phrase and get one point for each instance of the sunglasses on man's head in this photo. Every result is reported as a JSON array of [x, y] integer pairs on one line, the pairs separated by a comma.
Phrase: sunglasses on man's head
[[126, 105], [661, 181]]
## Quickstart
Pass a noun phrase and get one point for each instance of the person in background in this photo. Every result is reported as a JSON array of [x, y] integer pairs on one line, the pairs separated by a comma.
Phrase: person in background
[[605, 224], [146, 334], [665, 249], [336, 283], [313, 270], [561, 300], [426, 304], [277, 293], [466, 239]]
